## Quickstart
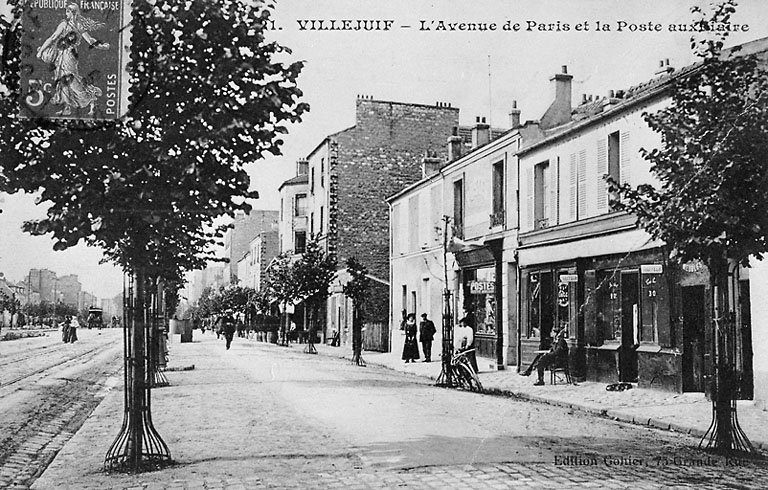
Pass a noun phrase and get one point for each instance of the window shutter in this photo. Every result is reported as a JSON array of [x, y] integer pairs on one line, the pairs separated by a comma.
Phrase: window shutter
[[582, 184], [573, 177], [529, 197], [625, 163], [602, 169], [554, 179]]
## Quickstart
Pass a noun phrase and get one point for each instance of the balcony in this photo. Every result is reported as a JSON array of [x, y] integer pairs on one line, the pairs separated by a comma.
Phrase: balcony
[[497, 218]]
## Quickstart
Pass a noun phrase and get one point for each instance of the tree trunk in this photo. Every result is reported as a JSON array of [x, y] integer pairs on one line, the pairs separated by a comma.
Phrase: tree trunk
[[724, 435], [357, 338]]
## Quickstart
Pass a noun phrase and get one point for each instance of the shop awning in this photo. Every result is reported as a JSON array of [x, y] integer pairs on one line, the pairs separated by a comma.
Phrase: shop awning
[[625, 242]]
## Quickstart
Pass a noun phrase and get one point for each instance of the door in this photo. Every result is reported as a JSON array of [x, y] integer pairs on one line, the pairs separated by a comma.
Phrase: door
[[547, 309], [630, 323], [693, 338]]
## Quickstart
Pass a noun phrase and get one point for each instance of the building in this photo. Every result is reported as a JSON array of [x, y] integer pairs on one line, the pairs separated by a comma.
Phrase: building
[[350, 173], [69, 288], [293, 211], [548, 250], [210, 277], [237, 239], [40, 285]]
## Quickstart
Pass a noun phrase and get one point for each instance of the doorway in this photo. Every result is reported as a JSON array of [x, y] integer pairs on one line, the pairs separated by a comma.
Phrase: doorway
[[693, 338], [630, 323]]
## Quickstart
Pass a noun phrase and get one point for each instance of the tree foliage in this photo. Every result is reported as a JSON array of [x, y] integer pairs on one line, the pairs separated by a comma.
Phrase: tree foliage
[[208, 98], [357, 289], [711, 165]]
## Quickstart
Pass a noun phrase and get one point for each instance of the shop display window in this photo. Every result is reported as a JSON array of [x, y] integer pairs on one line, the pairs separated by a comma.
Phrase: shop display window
[[480, 298]]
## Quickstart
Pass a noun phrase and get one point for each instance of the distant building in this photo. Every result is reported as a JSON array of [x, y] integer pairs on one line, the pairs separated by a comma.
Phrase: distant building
[[212, 276], [69, 288], [244, 229], [40, 285], [293, 211]]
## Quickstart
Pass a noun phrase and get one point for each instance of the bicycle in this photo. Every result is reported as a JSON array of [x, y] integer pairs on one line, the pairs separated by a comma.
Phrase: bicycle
[[465, 376]]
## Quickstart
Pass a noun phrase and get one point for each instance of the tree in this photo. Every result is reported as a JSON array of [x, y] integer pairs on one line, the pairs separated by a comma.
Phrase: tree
[[710, 202], [358, 290], [313, 274], [281, 285], [208, 98]]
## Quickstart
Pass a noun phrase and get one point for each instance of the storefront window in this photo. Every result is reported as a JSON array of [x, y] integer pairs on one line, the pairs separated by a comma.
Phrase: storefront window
[[480, 298], [609, 306], [534, 305], [567, 290]]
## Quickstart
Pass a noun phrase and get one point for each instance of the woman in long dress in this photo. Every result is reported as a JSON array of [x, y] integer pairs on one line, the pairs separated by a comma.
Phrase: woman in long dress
[[411, 346], [60, 51]]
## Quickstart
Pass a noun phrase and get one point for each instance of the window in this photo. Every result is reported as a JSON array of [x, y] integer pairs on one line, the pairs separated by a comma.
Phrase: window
[[312, 223], [322, 172], [497, 216], [541, 191], [300, 242], [300, 205], [413, 224], [281, 209], [320, 223], [614, 166], [458, 208], [312, 181]]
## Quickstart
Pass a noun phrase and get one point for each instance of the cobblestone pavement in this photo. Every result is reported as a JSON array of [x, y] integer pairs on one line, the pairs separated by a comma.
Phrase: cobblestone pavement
[[261, 416], [43, 408]]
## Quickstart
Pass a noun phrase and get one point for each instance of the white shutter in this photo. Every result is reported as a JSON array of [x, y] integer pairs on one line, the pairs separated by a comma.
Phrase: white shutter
[[572, 191], [625, 163], [582, 184], [602, 170], [554, 180], [529, 197]]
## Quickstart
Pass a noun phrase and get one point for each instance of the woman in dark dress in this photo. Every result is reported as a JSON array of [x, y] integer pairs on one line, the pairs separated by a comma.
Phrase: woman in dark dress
[[411, 346]]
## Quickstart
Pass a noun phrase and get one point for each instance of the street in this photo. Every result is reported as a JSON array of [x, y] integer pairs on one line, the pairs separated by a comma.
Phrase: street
[[263, 416], [47, 389]]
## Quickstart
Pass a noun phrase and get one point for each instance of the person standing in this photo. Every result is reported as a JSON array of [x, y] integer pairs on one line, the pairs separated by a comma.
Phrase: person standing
[[410, 346], [65, 329], [228, 327], [426, 336], [73, 330]]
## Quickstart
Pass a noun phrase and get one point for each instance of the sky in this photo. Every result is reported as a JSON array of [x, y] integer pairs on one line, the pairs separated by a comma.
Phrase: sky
[[416, 57]]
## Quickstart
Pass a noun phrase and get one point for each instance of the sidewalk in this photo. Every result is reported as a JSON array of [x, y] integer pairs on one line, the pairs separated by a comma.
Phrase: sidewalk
[[689, 413]]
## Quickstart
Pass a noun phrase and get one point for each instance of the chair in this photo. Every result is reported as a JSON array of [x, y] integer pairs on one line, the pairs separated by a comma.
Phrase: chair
[[560, 372]]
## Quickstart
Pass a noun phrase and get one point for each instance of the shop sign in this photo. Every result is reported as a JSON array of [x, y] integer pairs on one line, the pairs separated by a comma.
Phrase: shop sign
[[693, 266], [482, 287], [651, 269], [569, 278], [562, 294]]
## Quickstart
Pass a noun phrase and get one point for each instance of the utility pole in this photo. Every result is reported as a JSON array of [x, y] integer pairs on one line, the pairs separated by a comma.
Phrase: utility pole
[[446, 374]]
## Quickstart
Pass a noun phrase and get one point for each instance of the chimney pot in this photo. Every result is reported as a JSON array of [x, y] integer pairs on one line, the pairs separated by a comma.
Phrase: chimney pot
[[583, 98], [666, 62], [565, 69], [455, 144], [514, 104], [611, 94], [481, 133]]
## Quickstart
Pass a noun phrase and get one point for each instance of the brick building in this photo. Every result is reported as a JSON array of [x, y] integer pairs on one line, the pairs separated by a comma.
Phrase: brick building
[[350, 173]]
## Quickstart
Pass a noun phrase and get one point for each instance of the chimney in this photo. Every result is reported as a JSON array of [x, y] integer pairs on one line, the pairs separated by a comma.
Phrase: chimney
[[481, 133], [302, 167], [430, 164], [514, 116], [664, 67], [559, 111], [455, 143]]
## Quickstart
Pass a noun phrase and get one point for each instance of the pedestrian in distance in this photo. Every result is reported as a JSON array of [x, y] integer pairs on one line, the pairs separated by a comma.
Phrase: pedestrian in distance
[[73, 330], [65, 329], [411, 346], [403, 320], [228, 327], [426, 336]]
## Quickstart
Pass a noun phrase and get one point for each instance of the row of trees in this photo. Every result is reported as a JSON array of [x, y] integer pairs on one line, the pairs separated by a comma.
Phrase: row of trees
[[290, 281]]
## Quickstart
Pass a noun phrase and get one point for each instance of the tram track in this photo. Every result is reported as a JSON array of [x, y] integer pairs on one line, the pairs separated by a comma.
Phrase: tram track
[[83, 356]]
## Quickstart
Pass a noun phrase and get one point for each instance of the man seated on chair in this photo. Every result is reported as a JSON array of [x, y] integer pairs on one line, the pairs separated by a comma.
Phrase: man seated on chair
[[557, 355]]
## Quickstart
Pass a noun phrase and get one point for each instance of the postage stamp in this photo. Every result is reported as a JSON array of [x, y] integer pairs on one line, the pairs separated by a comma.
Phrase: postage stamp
[[74, 57]]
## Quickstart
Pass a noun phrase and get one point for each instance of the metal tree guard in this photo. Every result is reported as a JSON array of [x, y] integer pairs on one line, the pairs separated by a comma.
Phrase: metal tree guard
[[138, 446], [156, 331], [446, 374]]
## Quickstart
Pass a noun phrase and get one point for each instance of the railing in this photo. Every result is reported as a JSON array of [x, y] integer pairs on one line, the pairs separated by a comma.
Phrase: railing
[[497, 218]]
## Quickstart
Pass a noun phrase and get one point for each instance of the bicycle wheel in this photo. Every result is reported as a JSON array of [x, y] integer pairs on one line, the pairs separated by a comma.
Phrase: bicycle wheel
[[467, 378]]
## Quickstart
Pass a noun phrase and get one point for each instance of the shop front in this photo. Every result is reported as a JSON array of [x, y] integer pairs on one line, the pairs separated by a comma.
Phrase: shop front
[[479, 301]]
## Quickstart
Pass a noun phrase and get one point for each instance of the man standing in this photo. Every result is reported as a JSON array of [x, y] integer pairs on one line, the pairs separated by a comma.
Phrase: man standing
[[228, 327], [426, 335]]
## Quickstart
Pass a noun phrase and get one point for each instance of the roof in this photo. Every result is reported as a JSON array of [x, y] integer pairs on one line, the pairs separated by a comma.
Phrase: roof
[[299, 179]]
